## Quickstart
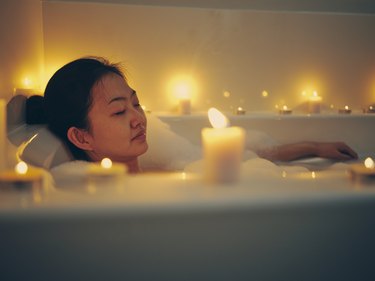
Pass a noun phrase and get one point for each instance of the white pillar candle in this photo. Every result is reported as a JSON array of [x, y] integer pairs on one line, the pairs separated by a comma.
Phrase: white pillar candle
[[3, 135], [223, 148], [314, 103]]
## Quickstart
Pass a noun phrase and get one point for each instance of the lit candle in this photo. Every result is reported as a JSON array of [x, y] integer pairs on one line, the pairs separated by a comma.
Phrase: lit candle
[[345, 110], [107, 169], [314, 103], [285, 110], [370, 109], [184, 106], [3, 134], [182, 91], [22, 176], [363, 172], [240, 111], [223, 148]]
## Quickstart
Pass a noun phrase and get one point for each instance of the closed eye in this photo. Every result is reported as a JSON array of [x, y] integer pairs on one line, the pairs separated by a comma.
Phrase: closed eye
[[120, 112]]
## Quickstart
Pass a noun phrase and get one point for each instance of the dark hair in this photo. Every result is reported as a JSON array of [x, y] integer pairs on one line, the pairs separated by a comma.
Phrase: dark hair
[[68, 98]]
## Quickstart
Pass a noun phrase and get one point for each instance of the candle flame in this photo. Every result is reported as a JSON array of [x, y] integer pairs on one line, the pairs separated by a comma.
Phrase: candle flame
[[217, 119], [106, 163], [369, 163], [27, 82], [21, 168], [346, 107]]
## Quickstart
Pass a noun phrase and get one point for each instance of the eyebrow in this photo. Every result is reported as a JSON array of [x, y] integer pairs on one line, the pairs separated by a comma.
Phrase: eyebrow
[[134, 93]]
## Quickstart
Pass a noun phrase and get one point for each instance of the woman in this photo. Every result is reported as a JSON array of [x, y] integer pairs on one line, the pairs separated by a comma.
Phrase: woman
[[89, 105]]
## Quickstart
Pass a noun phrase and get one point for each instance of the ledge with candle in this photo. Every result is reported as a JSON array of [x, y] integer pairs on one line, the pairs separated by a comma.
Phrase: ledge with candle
[[285, 110], [106, 169], [363, 172], [314, 103], [22, 176], [240, 111], [184, 106], [223, 148], [369, 109], [345, 110]]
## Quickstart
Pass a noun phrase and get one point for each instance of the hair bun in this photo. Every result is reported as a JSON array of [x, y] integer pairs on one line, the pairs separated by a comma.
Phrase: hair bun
[[35, 112]]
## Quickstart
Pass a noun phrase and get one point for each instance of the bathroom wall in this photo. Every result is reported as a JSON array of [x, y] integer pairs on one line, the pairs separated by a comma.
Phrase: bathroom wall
[[240, 48], [239, 52], [21, 45]]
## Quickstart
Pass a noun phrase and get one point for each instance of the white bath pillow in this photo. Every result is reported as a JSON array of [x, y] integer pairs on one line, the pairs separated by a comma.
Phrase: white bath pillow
[[44, 150]]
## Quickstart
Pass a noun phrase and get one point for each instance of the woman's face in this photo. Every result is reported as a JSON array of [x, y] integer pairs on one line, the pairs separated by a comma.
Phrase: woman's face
[[117, 121]]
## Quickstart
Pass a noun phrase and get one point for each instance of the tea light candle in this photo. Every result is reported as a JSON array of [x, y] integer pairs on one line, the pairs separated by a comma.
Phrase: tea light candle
[[223, 148], [107, 169], [285, 110], [240, 111], [22, 176], [184, 106], [370, 109], [314, 103], [345, 110], [3, 134], [363, 172]]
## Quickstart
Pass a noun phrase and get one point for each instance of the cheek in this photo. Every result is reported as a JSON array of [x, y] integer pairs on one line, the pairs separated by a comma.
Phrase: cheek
[[115, 134]]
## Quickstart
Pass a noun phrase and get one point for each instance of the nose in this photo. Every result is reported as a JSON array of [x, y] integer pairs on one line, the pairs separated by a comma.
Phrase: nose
[[137, 119]]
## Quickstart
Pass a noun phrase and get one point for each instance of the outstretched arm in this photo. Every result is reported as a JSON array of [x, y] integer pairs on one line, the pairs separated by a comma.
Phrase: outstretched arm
[[289, 152]]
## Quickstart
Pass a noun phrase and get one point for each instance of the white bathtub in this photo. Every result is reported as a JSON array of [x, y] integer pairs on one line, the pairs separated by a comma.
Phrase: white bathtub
[[173, 226]]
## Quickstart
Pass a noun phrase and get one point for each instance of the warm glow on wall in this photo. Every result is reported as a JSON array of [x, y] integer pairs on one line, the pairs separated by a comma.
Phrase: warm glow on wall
[[26, 82], [27, 85], [182, 87], [308, 87], [265, 94]]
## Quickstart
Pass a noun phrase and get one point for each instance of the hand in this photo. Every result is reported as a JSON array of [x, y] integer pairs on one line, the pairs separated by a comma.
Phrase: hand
[[336, 151]]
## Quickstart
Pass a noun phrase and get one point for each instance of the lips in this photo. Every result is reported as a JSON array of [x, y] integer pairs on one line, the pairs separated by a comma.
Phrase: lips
[[141, 135]]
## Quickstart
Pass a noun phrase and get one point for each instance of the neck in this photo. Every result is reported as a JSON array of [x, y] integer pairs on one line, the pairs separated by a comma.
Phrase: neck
[[133, 166]]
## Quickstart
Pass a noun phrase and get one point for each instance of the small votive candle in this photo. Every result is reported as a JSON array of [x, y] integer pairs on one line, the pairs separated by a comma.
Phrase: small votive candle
[[363, 172], [107, 169], [314, 103], [369, 109], [285, 110], [223, 148], [184, 106], [345, 110], [240, 111], [22, 176]]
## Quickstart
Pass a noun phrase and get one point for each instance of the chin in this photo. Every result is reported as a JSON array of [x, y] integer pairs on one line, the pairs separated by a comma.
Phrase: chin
[[142, 150]]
